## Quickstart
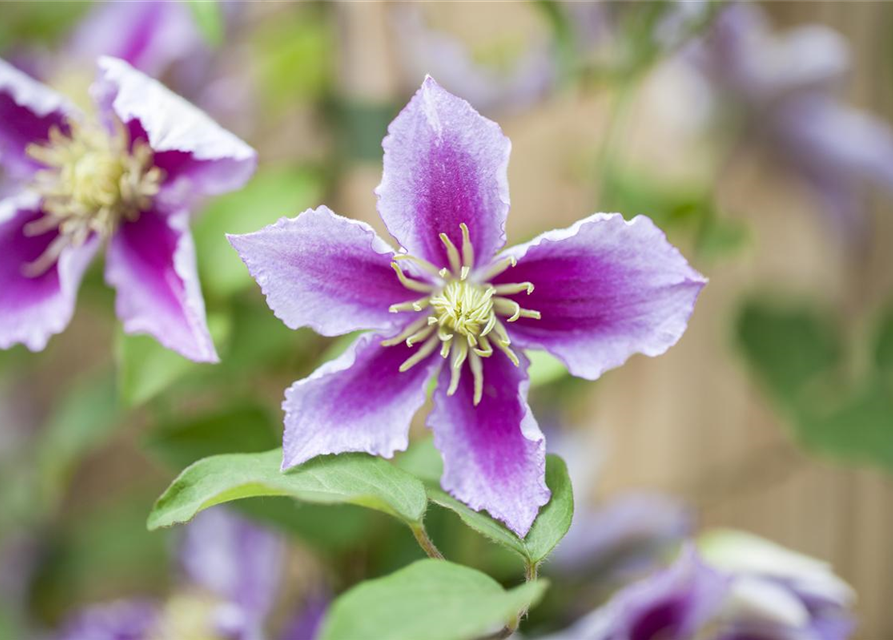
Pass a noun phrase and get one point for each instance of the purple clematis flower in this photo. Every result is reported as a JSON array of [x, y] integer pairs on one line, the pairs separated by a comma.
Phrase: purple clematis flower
[[232, 574], [127, 176], [739, 587], [787, 87], [448, 306], [674, 604]]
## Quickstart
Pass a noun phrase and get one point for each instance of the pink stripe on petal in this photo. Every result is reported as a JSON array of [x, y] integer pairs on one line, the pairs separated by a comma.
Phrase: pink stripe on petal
[[28, 109], [444, 164], [358, 402], [151, 265], [34, 308], [494, 455], [326, 272], [606, 289], [199, 156], [149, 34]]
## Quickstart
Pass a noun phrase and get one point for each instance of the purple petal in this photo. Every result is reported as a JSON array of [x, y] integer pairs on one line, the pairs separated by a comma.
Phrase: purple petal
[[444, 164], [198, 156], [151, 264], [627, 533], [358, 402], [122, 620], [825, 137], [149, 35], [494, 455], [606, 289], [324, 271], [744, 57], [674, 604], [28, 109], [34, 308], [234, 559]]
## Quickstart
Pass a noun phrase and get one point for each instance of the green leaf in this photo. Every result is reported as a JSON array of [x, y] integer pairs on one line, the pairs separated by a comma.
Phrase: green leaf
[[720, 236], [550, 526], [544, 368], [274, 193], [859, 430], [239, 428], [787, 346], [883, 353], [357, 479], [431, 599], [209, 19], [145, 368]]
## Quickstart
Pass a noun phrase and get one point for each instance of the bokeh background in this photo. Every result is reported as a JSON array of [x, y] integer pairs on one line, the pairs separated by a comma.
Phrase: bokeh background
[[773, 414]]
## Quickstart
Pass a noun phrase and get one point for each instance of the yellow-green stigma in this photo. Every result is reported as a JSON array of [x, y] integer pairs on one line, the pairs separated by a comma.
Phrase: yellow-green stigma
[[466, 313], [188, 614], [92, 180]]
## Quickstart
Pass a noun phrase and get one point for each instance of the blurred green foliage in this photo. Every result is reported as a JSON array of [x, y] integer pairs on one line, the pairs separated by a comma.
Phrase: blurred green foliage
[[799, 357]]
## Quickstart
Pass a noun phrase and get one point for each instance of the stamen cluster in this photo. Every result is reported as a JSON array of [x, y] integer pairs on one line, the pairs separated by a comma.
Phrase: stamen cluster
[[189, 614], [466, 312], [93, 180]]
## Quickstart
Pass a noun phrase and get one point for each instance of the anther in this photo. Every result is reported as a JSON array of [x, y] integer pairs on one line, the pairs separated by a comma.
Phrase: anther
[[498, 267], [423, 352], [424, 264], [412, 285], [509, 289], [419, 336], [477, 370], [415, 305], [467, 248], [452, 253], [457, 358], [406, 333]]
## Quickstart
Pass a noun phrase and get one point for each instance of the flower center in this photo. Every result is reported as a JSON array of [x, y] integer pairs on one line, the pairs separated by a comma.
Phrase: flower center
[[466, 312], [92, 180], [189, 614]]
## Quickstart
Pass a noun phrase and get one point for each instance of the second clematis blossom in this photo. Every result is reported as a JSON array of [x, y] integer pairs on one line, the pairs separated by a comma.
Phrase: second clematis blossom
[[450, 305], [125, 175]]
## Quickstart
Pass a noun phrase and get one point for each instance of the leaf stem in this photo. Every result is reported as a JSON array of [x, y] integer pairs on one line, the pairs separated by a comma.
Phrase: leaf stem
[[425, 542], [531, 570]]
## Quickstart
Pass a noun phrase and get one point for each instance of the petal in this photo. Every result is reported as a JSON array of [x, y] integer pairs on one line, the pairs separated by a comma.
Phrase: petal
[[151, 264], [148, 35], [673, 604], [198, 156], [324, 271], [606, 289], [234, 559], [358, 402], [494, 455], [628, 532], [444, 164], [307, 622], [28, 109], [121, 620], [34, 308]]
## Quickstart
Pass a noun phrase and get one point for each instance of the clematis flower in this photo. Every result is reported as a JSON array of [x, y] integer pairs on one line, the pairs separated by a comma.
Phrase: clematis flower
[[673, 604], [231, 577], [126, 176], [776, 593], [734, 587], [787, 87], [449, 306]]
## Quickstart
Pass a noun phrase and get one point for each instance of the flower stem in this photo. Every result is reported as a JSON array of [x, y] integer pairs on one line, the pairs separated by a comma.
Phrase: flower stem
[[427, 545]]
